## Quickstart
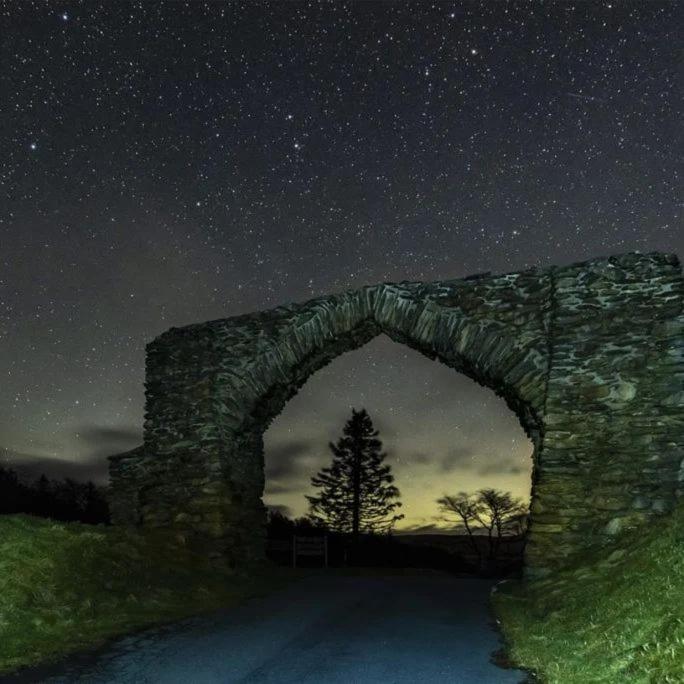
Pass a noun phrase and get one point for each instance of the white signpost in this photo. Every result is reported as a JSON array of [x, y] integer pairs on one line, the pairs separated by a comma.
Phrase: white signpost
[[309, 546]]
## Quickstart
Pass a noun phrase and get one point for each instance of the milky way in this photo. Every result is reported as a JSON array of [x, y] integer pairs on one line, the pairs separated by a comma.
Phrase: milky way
[[168, 163]]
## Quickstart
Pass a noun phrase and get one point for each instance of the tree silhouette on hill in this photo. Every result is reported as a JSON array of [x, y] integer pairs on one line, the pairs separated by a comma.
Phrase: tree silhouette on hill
[[357, 493], [495, 514]]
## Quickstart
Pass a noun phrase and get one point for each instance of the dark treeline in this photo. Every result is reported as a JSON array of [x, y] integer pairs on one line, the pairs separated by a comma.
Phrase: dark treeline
[[279, 526], [448, 552], [66, 500]]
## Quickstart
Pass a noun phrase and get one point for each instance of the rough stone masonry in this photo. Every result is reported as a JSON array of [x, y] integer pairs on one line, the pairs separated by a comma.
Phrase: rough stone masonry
[[589, 356]]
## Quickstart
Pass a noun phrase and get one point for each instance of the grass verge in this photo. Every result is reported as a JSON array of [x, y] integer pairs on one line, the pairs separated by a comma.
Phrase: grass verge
[[68, 586], [613, 617]]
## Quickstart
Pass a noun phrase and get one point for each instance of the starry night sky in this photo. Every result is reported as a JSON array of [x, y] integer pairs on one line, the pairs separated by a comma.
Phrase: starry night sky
[[165, 163]]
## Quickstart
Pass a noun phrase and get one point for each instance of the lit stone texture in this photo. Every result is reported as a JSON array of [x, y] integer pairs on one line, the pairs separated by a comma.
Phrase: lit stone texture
[[589, 356]]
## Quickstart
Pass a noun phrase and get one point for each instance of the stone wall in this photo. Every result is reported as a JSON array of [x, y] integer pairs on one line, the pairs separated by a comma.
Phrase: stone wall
[[589, 357], [614, 412]]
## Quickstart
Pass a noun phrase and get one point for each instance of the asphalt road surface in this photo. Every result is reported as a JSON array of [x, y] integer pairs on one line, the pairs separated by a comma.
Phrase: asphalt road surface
[[327, 629]]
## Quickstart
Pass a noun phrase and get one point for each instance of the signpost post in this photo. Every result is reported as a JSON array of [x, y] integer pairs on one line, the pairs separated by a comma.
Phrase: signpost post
[[309, 546]]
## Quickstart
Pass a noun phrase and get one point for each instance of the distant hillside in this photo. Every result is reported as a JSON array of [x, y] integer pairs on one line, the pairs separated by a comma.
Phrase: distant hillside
[[453, 540], [460, 544]]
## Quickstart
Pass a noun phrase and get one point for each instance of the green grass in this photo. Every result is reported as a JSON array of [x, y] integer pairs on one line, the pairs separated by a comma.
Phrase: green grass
[[67, 586], [614, 617]]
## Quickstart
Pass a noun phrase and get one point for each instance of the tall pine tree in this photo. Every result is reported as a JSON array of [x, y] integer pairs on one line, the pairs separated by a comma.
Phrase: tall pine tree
[[357, 493]]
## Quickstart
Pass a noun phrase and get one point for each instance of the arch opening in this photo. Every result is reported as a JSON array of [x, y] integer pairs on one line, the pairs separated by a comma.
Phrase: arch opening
[[443, 433], [472, 361]]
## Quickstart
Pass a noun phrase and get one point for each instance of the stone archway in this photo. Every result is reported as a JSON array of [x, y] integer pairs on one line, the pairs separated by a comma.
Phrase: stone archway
[[590, 357]]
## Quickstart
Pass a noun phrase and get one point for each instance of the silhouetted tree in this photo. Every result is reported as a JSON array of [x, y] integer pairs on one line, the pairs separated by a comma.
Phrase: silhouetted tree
[[59, 499], [357, 493], [13, 494], [280, 526], [464, 506], [96, 507], [495, 512], [44, 499]]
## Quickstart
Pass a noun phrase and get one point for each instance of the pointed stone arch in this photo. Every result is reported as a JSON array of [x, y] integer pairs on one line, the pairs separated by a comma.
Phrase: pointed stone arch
[[585, 355]]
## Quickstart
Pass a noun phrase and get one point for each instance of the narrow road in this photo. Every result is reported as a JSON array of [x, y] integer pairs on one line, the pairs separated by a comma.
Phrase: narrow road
[[322, 629]]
